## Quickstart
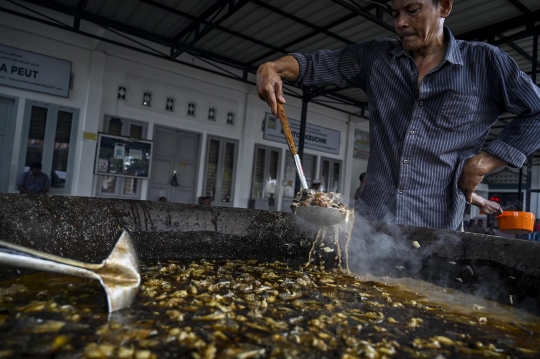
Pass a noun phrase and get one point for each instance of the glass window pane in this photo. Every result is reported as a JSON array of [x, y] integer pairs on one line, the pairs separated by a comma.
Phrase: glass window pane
[[115, 127], [227, 176], [325, 176], [130, 186], [136, 131], [258, 179], [108, 184], [272, 178], [211, 171], [36, 136], [61, 149], [335, 177]]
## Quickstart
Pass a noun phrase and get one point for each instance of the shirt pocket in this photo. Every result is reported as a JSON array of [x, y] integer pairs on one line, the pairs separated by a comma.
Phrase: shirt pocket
[[458, 112]]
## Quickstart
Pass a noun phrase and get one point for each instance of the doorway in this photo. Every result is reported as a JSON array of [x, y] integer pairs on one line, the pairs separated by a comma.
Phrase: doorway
[[7, 122], [178, 151]]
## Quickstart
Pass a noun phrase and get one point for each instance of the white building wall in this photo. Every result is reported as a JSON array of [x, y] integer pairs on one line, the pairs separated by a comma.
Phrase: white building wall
[[99, 69]]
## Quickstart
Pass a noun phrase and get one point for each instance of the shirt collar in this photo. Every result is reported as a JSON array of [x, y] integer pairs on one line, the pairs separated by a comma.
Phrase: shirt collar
[[453, 54]]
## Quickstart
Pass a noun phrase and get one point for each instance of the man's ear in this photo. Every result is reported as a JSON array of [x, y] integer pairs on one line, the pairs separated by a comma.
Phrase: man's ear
[[445, 7]]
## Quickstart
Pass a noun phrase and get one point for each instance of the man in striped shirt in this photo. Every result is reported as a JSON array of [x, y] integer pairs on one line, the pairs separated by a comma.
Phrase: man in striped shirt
[[432, 102]]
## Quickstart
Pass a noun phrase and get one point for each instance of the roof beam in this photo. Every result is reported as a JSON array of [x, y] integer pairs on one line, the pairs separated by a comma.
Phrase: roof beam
[[352, 6], [217, 27], [501, 27], [520, 6], [520, 51], [80, 7], [515, 37], [232, 7], [301, 21], [305, 37]]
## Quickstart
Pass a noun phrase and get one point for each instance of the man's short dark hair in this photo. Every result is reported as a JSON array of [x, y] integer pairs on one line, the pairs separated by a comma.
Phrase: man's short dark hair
[[362, 176], [36, 165]]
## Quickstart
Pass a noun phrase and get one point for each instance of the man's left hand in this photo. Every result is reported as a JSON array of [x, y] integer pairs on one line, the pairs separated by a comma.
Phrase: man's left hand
[[474, 170]]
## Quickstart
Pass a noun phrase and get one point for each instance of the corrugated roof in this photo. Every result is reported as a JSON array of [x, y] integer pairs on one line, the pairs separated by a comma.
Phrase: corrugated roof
[[246, 33]]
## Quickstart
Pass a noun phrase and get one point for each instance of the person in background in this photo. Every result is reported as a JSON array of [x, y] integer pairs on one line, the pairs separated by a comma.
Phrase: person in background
[[359, 190], [536, 232], [316, 184], [201, 201], [162, 199], [207, 201], [34, 181], [479, 228], [471, 226]]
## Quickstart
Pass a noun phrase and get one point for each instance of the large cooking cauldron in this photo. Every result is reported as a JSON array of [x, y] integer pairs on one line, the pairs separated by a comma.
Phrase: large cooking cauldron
[[86, 229]]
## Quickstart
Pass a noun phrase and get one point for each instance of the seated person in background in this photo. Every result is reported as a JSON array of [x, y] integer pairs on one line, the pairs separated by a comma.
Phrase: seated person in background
[[163, 199], [207, 201], [479, 228], [201, 201], [470, 227], [33, 181]]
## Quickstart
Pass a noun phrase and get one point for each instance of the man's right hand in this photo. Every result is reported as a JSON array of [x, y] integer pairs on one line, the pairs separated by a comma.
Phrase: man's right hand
[[269, 80]]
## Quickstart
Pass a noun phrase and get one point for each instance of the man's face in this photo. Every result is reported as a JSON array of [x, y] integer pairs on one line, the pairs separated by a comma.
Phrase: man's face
[[36, 171], [418, 22]]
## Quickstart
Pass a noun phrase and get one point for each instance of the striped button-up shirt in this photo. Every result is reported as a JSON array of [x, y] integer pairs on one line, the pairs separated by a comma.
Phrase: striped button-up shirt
[[422, 135]]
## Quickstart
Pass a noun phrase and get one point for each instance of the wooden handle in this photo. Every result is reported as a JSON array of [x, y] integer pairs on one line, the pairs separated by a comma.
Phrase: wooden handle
[[286, 128]]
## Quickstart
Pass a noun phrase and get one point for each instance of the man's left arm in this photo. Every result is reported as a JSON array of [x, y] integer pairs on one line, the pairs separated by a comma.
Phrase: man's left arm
[[517, 94]]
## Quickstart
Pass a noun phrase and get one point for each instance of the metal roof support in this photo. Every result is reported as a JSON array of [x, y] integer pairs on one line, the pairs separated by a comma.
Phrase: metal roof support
[[194, 28], [530, 159], [520, 6], [307, 36], [364, 13], [303, 122], [514, 37], [217, 27], [80, 7], [522, 53], [301, 21], [500, 27]]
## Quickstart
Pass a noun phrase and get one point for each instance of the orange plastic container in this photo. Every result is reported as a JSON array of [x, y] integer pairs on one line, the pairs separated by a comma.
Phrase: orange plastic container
[[516, 222]]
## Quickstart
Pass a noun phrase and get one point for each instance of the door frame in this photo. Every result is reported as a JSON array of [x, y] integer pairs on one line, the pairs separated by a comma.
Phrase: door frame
[[197, 163], [47, 150], [10, 135]]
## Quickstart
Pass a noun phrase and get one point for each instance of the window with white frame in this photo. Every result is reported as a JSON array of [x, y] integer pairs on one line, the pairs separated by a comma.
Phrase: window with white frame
[[266, 183], [330, 175], [49, 137], [115, 186], [221, 157]]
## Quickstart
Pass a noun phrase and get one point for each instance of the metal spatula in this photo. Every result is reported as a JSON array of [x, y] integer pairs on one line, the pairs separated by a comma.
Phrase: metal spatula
[[118, 274]]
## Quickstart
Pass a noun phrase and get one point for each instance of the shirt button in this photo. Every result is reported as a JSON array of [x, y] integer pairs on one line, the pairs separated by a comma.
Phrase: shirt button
[[400, 191], [412, 132], [406, 161], [415, 75], [421, 103]]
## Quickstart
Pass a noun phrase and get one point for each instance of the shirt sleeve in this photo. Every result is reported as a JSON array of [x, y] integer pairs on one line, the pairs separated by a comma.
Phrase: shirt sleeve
[[517, 94], [344, 68]]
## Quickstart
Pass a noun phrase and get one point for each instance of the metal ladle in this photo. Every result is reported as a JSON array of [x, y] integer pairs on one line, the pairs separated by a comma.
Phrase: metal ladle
[[323, 216], [118, 273]]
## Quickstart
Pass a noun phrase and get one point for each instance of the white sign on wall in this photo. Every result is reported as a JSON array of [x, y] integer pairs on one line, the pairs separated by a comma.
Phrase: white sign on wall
[[34, 72], [317, 138], [361, 144]]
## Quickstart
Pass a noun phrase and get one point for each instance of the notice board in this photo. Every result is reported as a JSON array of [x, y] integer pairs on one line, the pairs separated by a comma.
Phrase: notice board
[[123, 156]]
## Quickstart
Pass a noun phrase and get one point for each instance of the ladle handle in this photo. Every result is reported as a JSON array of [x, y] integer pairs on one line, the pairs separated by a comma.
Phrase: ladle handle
[[10, 248], [19, 259], [290, 141]]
